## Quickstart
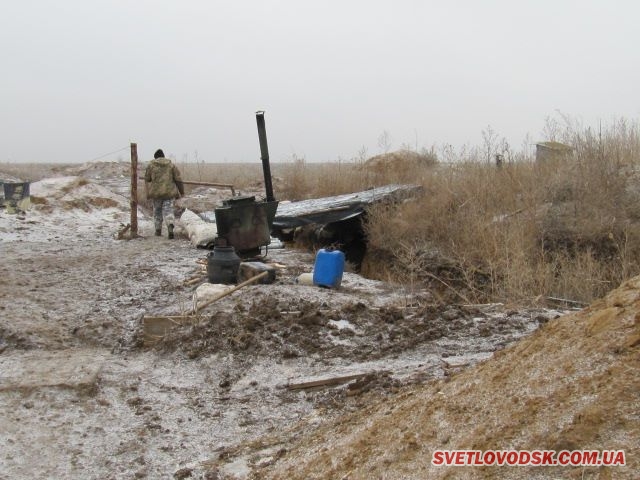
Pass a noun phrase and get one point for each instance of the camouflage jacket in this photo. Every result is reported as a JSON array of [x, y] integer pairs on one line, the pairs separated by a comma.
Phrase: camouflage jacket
[[163, 179]]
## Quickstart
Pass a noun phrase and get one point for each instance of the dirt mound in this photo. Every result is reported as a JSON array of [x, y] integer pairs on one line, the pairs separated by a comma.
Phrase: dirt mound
[[60, 205], [275, 325], [299, 327], [100, 170], [6, 178], [571, 385], [70, 193], [115, 176], [404, 160]]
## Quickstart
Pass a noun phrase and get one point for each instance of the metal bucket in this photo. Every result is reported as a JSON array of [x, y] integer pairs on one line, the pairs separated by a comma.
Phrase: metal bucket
[[16, 196]]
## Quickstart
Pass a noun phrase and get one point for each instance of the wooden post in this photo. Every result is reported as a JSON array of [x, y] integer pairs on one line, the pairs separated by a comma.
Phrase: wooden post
[[134, 190]]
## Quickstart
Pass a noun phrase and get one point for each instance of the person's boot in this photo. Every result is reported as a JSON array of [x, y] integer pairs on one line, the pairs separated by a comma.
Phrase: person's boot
[[170, 230]]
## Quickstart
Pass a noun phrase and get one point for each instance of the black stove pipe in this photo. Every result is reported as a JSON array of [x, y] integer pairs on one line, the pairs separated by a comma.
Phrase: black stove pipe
[[264, 155]]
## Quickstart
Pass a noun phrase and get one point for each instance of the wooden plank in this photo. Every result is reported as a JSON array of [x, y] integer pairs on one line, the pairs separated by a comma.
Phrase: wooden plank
[[154, 328], [325, 382]]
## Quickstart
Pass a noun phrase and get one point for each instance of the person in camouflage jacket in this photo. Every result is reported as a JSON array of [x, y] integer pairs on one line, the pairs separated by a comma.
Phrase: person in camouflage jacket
[[163, 184]]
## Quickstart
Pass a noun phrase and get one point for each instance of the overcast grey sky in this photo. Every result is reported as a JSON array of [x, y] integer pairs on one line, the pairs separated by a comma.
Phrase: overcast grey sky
[[83, 77]]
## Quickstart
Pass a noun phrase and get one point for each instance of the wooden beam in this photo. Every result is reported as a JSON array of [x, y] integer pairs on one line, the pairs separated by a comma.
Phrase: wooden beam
[[325, 382], [231, 290], [194, 280], [568, 302], [211, 184]]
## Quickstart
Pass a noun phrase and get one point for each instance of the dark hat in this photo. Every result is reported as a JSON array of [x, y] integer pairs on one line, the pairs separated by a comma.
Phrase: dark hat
[[159, 154]]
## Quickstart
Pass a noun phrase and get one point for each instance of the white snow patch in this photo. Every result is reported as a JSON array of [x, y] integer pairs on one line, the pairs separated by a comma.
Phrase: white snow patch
[[69, 208], [341, 324]]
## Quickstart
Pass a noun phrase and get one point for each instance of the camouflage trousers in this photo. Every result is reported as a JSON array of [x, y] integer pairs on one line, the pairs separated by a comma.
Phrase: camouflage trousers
[[163, 209]]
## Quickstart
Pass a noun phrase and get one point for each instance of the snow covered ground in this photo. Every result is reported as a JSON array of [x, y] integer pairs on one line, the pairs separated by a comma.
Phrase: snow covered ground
[[81, 397]]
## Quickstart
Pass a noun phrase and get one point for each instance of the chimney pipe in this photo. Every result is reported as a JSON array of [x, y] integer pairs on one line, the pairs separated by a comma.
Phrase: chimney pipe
[[264, 155]]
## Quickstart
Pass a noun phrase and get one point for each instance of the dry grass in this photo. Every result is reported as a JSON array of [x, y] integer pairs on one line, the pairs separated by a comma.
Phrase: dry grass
[[299, 179], [567, 228], [31, 172]]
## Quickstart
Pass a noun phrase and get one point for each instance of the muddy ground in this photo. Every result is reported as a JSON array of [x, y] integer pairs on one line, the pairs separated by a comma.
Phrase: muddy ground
[[83, 396]]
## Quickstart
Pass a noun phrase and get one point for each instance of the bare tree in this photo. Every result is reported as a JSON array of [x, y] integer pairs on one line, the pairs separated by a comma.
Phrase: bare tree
[[490, 139], [551, 129], [362, 154], [384, 141]]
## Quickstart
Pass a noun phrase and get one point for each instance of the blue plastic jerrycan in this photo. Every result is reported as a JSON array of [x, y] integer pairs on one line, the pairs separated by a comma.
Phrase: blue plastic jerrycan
[[328, 269]]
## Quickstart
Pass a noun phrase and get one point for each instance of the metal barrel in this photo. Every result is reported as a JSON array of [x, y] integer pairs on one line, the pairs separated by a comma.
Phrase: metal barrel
[[264, 155]]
